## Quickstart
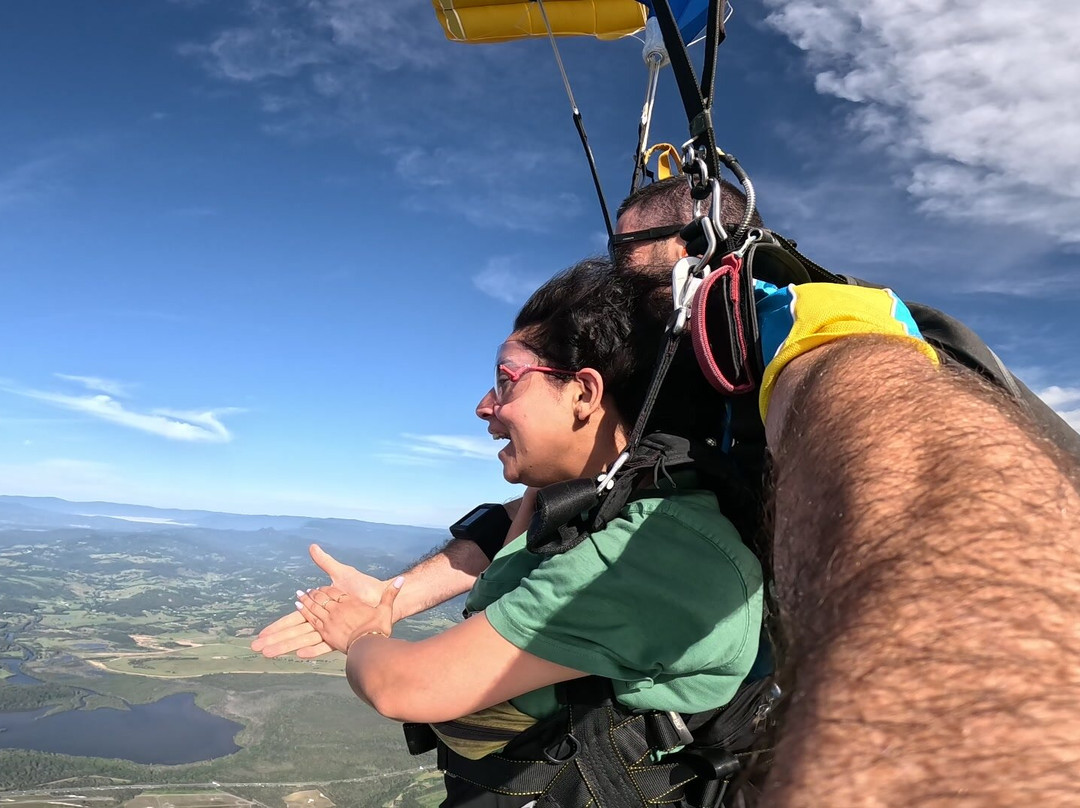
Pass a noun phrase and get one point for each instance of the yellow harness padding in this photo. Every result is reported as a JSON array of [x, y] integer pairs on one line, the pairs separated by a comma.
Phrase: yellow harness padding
[[823, 312], [503, 20], [668, 164], [484, 732]]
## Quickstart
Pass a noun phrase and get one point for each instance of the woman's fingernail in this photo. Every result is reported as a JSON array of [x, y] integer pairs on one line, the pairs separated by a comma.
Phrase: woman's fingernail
[[399, 582], [300, 593], [299, 605]]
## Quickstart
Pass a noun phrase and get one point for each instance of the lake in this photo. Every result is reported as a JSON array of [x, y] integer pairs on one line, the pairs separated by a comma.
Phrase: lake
[[17, 677], [169, 731]]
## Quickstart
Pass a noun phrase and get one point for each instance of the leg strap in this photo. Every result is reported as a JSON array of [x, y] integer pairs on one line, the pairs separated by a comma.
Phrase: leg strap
[[603, 759]]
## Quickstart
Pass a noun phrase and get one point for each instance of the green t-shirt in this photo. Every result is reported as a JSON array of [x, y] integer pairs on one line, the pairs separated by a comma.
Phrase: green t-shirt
[[665, 601]]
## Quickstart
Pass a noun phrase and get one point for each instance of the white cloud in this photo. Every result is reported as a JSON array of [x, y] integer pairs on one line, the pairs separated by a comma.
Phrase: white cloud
[[976, 101], [319, 68], [29, 181], [195, 427], [112, 388], [503, 278], [340, 43], [1065, 401], [432, 450]]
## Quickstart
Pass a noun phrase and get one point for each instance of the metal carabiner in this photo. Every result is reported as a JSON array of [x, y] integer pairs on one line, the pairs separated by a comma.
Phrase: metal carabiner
[[711, 241], [753, 235], [684, 285], [717, 210]]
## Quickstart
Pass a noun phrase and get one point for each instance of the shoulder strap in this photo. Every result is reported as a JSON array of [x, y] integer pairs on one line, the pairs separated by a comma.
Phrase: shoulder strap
[[566, 513]]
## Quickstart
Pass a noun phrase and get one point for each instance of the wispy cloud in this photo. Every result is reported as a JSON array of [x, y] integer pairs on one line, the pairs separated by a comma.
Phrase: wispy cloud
[[108, 386], [181, 425], [1065, 401], [434, 450], [977, 103], [504, 278], [467, 181], [339, 45], [335, 68], [29, 181], [863, 227]]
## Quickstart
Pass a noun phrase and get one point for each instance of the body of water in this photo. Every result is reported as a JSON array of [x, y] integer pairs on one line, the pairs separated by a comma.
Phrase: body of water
[[18, 677], [169, 731]]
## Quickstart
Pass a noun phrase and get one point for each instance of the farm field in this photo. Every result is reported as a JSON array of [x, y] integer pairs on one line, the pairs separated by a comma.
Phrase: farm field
[[105, 622]]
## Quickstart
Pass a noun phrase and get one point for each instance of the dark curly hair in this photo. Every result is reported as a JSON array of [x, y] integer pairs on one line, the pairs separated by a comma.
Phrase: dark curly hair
[[592, 316]]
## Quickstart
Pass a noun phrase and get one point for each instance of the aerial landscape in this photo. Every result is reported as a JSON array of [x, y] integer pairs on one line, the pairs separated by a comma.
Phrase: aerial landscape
[[259, 256], [127, 676]]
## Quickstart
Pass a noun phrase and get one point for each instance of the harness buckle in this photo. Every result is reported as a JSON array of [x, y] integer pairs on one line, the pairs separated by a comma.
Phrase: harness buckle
[[563, 750]]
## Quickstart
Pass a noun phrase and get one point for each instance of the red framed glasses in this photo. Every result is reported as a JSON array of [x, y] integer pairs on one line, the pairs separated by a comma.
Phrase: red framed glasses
[[506, 377]]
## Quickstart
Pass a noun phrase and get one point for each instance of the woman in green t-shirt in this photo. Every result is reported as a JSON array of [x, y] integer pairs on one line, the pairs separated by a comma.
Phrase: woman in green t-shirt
[[665, 601]]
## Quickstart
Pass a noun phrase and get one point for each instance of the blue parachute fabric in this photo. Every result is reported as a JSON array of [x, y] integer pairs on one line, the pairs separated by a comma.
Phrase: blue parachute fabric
[[691, 16]]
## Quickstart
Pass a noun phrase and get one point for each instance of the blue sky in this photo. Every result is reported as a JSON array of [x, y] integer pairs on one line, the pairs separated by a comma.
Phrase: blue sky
[[257, 256]]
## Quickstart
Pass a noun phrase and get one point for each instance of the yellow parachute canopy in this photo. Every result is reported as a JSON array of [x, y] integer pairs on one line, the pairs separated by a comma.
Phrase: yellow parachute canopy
[[502, 20]]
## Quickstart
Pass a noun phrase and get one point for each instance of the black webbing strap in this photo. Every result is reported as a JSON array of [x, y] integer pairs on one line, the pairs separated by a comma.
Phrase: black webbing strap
[[663, 363], [603, 759], [696, 99]]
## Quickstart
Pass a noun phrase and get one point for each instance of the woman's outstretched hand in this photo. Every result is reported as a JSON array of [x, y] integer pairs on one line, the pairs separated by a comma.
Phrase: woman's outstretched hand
[[292, 633], [340, 618]]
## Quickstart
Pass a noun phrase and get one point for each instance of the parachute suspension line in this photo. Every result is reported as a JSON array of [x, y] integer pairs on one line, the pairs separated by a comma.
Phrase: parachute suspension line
[[655, 56], [655, 62], [579, 124]]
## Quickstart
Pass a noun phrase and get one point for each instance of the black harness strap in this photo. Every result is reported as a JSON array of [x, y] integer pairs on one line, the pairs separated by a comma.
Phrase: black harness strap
[[697, 100], [602, 758]]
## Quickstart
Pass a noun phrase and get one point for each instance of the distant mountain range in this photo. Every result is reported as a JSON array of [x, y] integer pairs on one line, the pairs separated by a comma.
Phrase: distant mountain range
[[49, 513]]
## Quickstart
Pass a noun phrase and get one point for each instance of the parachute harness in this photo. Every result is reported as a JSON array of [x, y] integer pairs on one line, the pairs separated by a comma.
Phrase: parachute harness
[[715, 256]]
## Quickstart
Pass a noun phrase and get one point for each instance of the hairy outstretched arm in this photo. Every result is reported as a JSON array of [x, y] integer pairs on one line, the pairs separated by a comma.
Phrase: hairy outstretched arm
[[442, 575], [927, 565]]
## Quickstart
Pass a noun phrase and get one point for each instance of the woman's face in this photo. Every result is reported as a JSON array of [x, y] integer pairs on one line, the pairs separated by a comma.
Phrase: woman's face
[[537, 413]]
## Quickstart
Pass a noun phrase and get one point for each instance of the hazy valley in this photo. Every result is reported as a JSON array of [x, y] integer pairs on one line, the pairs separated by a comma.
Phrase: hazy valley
[[110, 613]]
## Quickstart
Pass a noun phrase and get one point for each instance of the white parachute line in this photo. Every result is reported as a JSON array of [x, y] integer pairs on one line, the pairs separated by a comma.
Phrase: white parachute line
[[558, 57], [647, 107]]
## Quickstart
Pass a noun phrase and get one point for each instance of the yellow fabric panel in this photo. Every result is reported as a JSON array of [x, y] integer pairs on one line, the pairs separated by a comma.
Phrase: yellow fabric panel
[[494, 21], [823, 312]]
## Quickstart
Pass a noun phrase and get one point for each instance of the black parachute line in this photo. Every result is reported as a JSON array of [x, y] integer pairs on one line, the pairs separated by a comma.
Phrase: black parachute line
[[579, 123]]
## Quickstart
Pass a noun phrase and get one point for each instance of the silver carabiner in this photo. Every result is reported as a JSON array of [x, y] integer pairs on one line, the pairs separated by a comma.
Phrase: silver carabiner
[[711, 241], [753, 235], [717, 210], [685, 281]]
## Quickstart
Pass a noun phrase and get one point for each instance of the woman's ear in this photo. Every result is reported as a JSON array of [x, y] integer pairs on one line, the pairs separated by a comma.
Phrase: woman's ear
[[590, 393]]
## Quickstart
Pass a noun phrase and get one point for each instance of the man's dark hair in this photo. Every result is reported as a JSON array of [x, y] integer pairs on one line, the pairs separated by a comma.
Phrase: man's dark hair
[[668, 202]]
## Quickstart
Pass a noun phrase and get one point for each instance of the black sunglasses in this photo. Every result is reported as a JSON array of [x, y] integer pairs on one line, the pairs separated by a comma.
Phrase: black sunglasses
[[640, 236]]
